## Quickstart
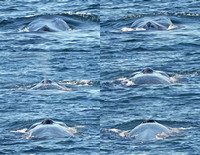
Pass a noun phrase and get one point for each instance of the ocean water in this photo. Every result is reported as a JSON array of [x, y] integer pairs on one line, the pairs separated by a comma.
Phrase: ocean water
[[94, 60], [176, 52], [70, 58]]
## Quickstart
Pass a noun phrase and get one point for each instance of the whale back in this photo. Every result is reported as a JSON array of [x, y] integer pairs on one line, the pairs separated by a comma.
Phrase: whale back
[[48, 24], [147, 131]]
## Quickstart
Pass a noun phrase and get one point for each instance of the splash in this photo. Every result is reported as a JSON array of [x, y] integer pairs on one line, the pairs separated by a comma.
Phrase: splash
[[79, 83], [125, 81], [20, 131], [160, 136]]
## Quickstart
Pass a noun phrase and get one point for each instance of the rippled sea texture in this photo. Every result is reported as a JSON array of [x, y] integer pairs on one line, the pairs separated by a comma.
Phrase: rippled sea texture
[[70, 58], [89, 60], [175, 52]]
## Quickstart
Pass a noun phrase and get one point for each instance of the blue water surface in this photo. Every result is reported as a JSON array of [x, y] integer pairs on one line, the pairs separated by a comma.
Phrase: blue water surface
[[70, 58], [94, 60], [176, 52]]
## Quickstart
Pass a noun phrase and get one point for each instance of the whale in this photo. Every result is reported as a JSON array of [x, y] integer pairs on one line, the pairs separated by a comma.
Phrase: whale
[[148, 130], [49, 129], [47, 24], [47, 84], [151, 23], [149, 76]]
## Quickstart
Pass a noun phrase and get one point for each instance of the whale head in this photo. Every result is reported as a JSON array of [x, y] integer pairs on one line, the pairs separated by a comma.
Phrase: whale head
[[47, 24], [49, 128], [148, 130], [149, 76], [152, 23], [47, 84]]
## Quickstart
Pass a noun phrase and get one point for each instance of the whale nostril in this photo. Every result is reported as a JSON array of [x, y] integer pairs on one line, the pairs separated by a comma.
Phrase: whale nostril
[[149, 25], [147, 70], [46, 81], [47, 121], [45, 28], [149, 121]]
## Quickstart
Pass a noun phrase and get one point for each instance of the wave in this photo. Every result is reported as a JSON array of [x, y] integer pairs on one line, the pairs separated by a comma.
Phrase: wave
[[77, 15], [159, 14], [75, 20]]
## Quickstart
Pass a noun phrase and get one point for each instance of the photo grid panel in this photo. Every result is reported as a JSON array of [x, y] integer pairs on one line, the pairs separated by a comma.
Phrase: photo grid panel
[[50, 69], [99, 77]]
